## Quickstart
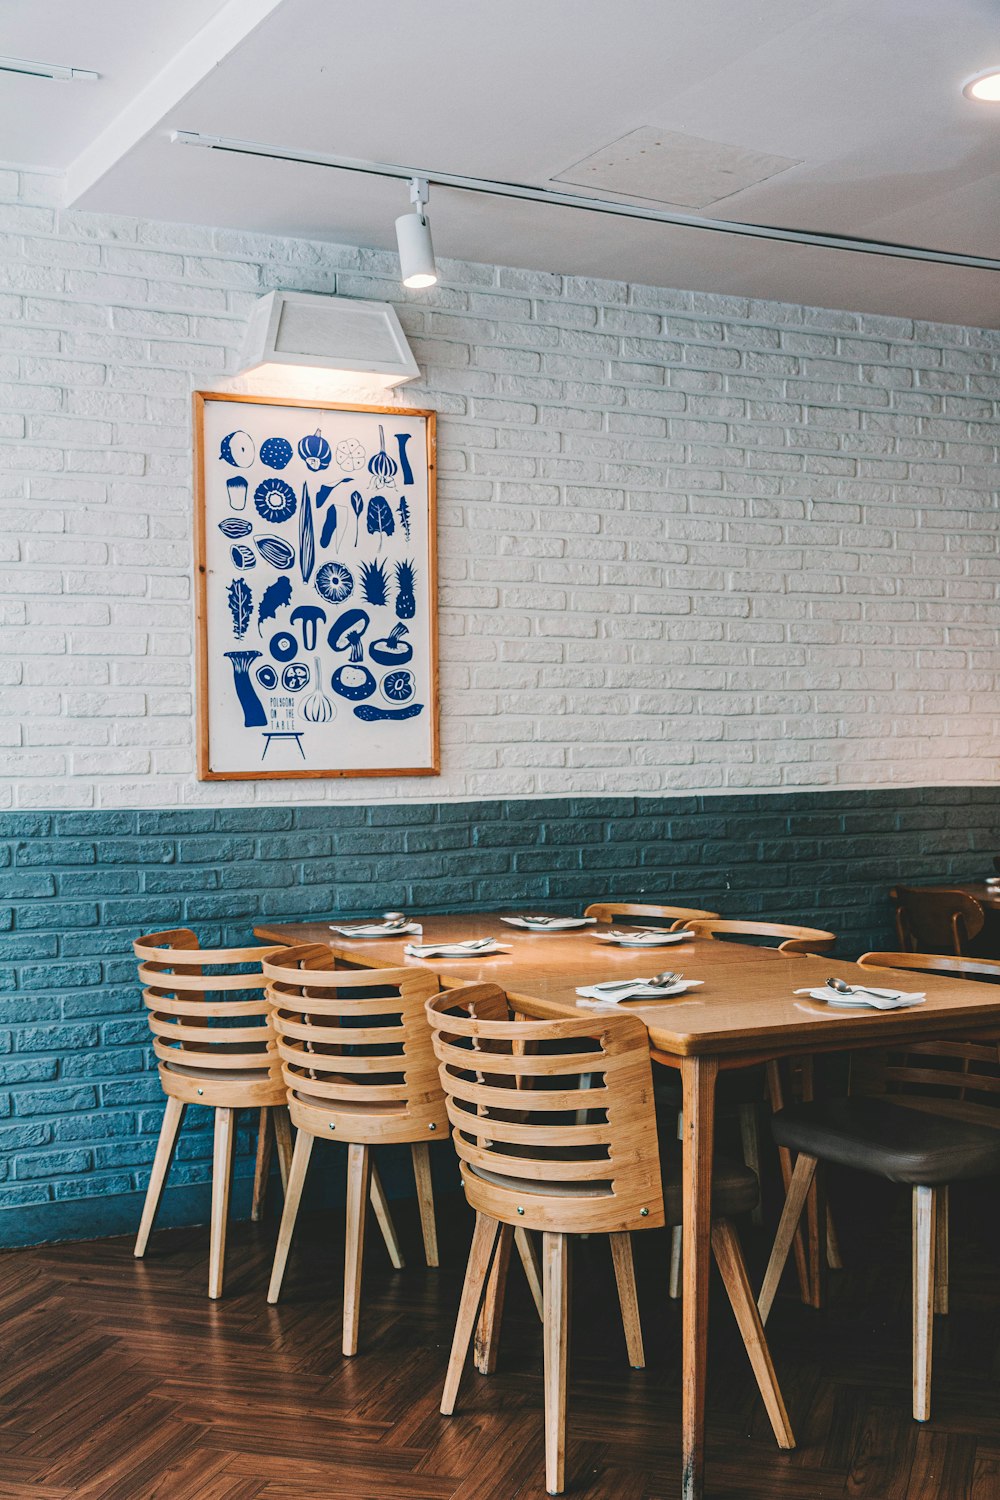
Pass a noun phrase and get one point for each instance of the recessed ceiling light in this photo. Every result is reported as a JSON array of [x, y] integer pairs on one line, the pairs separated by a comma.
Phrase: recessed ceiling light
[[985, 86]]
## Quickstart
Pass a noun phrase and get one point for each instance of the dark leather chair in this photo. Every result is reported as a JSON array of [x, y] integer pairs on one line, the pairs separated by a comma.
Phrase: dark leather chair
[[925, 1116], [936, 919]]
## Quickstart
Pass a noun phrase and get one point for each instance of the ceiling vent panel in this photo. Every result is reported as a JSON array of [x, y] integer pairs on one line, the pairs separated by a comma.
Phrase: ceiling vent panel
[[666, 166]]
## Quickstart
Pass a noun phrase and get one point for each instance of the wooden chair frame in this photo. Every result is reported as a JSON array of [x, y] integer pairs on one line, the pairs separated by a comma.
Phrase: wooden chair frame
[[224, 1067], [357, 1067], [963, 1067], [795, 939], [954, 915], [540, 1151], [607, 911]]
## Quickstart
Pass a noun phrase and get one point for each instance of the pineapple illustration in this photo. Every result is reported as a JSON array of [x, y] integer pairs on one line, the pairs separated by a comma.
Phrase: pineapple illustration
[[405, 603]]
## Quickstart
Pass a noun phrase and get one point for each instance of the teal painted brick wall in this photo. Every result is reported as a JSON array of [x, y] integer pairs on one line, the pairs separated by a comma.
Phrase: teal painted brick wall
[[80, 1102]]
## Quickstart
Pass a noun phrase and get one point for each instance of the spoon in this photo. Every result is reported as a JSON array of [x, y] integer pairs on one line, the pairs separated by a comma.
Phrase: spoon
[[860, 989], [394, 918], [658, 981]]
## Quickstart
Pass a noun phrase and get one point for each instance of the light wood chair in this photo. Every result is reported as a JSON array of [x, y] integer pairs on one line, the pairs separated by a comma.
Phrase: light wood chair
[[793, 939], [359, 1068], [610, 911], [514, 1102], [208, 1017], [936, 919], [925, 1115]]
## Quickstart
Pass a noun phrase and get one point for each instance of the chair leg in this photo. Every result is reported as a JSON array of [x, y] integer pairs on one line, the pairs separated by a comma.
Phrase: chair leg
[[383, 1218], [262, 1165], [420, 1152], [941, 1251], [359, 1173], [555, 1342], [776, 1098], [486, 1344], [924, 1243], [480, 1255], [729, 1257], [222, 1172], [833, 1256], [621, 1254], [282, 1123], [750, 1139], [798, 1191], [532, 1268], [293, 1197], [172, 1117], [676, 1240]]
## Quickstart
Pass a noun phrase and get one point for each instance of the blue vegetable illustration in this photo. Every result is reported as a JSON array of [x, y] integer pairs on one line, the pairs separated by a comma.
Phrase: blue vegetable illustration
[[329, 531], [392, 650], [240, 601], [397, 687], [406, 473], [236, 492], [326, 490], [380, 518], [242, 556], [381, 467], [233, 528], [374, 582], [283, 646], [276, 453], [237, 449], [315, 451], [404, 516], [276, 596], [275, 500], [370, 712], [307, 538], [310, 617], [406, 604], [254, 716], [350, 454], [275, 550], [334, 582], [267, 677], [357, 505]]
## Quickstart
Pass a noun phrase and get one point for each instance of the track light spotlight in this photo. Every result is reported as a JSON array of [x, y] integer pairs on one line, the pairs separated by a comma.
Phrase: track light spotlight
[[413, 236]]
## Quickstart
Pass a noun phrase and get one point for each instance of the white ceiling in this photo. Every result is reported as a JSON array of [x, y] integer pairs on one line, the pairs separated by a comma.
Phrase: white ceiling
[[863, 96]]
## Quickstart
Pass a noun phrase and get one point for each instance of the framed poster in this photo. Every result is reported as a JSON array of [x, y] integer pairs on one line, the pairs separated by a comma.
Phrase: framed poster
[[316, 589]]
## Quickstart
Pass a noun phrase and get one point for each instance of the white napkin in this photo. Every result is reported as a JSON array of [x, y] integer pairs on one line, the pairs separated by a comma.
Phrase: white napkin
[[612, 993], [471, 949], [649, 939], [880, 1000], [377, 929], [548, 924]]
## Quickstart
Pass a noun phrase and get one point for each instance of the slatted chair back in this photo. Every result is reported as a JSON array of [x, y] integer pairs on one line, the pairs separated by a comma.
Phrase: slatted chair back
[[936, 919], [610, 911], [554, 1121], [208, 1016], [958, 1078], [793, 939], [355, 1048]]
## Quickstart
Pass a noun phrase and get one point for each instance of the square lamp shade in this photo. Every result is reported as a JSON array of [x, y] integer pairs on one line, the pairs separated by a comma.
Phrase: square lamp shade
[[344, 334]]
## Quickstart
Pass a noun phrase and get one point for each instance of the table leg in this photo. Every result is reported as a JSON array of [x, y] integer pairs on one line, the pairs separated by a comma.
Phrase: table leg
[[698, 1075]]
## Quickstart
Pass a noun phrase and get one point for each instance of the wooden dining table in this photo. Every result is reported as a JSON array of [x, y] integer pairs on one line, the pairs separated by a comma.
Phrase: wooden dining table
[[745, 1013]]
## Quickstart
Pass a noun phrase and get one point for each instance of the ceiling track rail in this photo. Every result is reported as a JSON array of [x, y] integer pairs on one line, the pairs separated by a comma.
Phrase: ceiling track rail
[[489, 187]]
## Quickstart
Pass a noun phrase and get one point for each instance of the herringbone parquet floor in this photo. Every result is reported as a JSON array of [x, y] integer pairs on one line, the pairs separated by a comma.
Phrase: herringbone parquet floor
[[120, 1381]]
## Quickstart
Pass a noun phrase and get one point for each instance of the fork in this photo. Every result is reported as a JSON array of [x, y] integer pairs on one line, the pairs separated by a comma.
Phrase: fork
[[658, 981]]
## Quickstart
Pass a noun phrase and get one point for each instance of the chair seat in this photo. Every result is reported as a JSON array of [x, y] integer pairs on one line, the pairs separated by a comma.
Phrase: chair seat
[[734, 1187], [219, 1075], [890, 1140]]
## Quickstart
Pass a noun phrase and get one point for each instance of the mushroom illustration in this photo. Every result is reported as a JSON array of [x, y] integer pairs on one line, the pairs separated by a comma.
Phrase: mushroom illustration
[[312, 617], [353, 680]]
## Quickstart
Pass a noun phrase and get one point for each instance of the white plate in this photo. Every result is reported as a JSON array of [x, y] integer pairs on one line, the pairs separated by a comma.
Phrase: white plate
[[643, 940], [592, 994], [897, 1000], [378, 929], [551, 924], [452, 950]]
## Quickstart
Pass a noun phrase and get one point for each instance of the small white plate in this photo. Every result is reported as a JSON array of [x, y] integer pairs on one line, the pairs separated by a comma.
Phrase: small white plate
[[548, 924], [377, 930], [453, 950], [643, 939], [592, 994]]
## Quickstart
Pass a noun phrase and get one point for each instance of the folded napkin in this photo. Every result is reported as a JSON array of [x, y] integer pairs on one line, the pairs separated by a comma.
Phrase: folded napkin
[[614, 992], [649, 939], [474, 948], [548, 924], [377, 929], [866, 1000]]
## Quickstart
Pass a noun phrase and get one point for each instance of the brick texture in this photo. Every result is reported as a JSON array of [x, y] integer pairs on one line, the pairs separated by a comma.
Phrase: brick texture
[[80, 1101], [688, 542]]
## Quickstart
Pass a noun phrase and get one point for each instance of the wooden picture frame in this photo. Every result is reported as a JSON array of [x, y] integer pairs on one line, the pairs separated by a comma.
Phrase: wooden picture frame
[[280, 486]]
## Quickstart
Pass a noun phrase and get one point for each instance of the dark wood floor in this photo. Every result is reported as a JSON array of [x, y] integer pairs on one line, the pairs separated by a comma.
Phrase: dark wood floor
[[120, 1381]]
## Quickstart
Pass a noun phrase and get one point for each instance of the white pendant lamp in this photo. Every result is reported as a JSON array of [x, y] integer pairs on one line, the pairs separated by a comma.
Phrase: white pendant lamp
[[413, 236]]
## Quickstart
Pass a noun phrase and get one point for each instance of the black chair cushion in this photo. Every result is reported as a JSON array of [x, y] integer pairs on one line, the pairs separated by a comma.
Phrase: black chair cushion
[[890, 1140], [735, 1189]]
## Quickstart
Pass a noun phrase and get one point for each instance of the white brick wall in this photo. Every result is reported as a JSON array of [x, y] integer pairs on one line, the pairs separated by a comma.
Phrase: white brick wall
[[687, 542]]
